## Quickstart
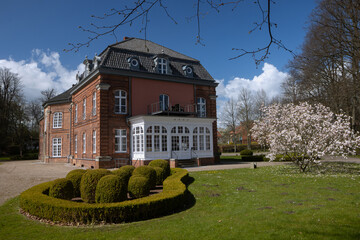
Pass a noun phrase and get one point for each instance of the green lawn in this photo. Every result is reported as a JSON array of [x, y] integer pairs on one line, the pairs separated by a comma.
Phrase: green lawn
[[263, 203]]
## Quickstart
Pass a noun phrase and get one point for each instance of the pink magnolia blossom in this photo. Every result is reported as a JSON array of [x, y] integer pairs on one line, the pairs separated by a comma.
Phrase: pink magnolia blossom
[[305, 133]]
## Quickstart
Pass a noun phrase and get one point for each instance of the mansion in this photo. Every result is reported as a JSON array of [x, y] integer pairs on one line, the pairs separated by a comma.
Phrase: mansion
[[135, 102]]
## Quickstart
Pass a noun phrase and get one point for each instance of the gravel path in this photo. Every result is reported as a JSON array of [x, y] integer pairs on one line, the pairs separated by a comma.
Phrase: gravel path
[[17, 176]]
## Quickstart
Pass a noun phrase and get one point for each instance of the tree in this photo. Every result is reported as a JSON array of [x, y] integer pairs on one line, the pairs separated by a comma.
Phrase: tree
[[328, 69], [230, 119], [47, 94], [140, 10], [260, 100], [246, 112], [305, 133]]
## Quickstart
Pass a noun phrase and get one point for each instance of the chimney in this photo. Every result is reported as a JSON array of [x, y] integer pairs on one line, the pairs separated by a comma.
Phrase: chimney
[[126, 38]]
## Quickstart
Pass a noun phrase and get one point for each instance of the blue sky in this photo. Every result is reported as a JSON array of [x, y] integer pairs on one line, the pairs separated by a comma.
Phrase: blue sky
[[34, 34]]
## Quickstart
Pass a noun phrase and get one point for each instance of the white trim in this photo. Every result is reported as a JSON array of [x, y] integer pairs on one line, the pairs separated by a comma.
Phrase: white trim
[[118, 101], [57, 120], [56, 147], [121, 135]]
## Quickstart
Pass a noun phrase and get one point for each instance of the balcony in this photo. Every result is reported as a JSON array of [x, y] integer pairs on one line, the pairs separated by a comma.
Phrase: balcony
[[158, 108]]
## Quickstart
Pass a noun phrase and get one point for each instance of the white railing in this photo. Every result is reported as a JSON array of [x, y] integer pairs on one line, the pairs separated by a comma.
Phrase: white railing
[[176, 108]]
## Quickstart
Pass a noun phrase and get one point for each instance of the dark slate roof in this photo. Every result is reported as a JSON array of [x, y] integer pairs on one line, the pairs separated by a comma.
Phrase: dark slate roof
[[61, 98]]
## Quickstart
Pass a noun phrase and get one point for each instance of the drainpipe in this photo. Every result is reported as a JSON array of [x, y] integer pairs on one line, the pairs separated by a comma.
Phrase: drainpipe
[[70, 110], [127, 118]]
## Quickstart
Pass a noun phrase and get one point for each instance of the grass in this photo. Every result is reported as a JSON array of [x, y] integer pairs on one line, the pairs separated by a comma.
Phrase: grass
[[265, 203]]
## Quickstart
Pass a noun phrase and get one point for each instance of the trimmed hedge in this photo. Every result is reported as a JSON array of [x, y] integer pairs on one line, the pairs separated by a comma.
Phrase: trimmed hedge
[[61, 188], [148, 172], [75, 177], [89, 182], [124, 172], [162, 164], [246, 152], [255, 158], [139, 186], [111, 188], [160, 175], [37, 203], [227, 148]]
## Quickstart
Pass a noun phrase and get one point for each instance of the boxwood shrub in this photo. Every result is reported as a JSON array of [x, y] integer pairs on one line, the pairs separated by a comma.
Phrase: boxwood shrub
[[139, 186], [246, 152], [162, 164], [160, 175], [61, 188], [37, 203], [148, 172], [75, 177], [124, 172], [255, 158], [111, 188], [89, 182]]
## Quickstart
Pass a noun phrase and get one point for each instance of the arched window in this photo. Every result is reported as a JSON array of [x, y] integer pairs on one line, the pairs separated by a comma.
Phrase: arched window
[[201, 139], [120, 102], [180, 139], [201, 107], [156, 139], [138, 139], [164, 102]]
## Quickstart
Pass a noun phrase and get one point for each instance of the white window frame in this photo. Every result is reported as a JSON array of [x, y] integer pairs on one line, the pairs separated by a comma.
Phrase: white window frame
[[75, 143], [156, 139], [162, 66], [164, 102], [94, 141], [201, 107], [120, 141], [57, 120], [56, 147], [76, 113], [201, 139], [84, 142], [84, 109], [119, 96], [138, 139], [94, 104]]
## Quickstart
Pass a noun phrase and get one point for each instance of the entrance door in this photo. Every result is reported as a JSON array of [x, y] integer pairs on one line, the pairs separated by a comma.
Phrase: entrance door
[[180, 143]]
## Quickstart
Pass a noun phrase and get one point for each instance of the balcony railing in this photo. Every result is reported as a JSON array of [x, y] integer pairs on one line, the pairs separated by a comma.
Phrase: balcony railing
[[158, 108]]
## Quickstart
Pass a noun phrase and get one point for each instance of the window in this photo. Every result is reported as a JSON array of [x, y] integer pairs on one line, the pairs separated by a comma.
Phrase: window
[[94, 141], [201, 107], [84, 109], [138, 139], [57, 120], [156, 139], [84, 143], [175, 143], [201, 139], [94, 104], [181, 141], [75, 143], [76, 113], [164, 102], [120, 140], [56, 147], [120, 102], [162, 65]]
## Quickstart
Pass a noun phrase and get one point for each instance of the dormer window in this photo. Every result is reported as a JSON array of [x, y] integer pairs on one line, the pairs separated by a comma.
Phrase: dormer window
[[162, 65], [188, 71], [134, 63]]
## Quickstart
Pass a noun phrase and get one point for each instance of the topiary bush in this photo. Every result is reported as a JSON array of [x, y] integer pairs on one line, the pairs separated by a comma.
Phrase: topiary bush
[[160, 175], [111, 188], [162, 164], [62, 188], [139, 186], [124, 172], [148, 172], [246, 152], [75, 177], [89, 182]]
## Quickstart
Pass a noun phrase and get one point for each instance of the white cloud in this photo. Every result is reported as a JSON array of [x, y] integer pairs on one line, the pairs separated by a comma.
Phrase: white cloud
[[269, 80], [42, 71]]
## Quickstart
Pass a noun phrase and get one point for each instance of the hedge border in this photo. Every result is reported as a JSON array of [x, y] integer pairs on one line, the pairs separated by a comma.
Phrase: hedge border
[[35, 201]]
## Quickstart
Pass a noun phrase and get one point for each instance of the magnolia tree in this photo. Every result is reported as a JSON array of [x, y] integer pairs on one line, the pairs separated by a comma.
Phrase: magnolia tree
[[304, 133]]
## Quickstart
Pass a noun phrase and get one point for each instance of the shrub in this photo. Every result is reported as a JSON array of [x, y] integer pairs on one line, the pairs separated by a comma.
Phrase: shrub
[[111, 188], [160, 175], [124, 172], [139, 186], [162, 164], [75, 177], [246, 152], [88, 183], [148, 172], [256, 158], [62, 188], [36, 202], [227, 148]]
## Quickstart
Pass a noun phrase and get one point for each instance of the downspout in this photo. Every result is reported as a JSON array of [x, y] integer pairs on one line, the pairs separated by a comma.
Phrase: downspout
[[70, 110], [127, 119]]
